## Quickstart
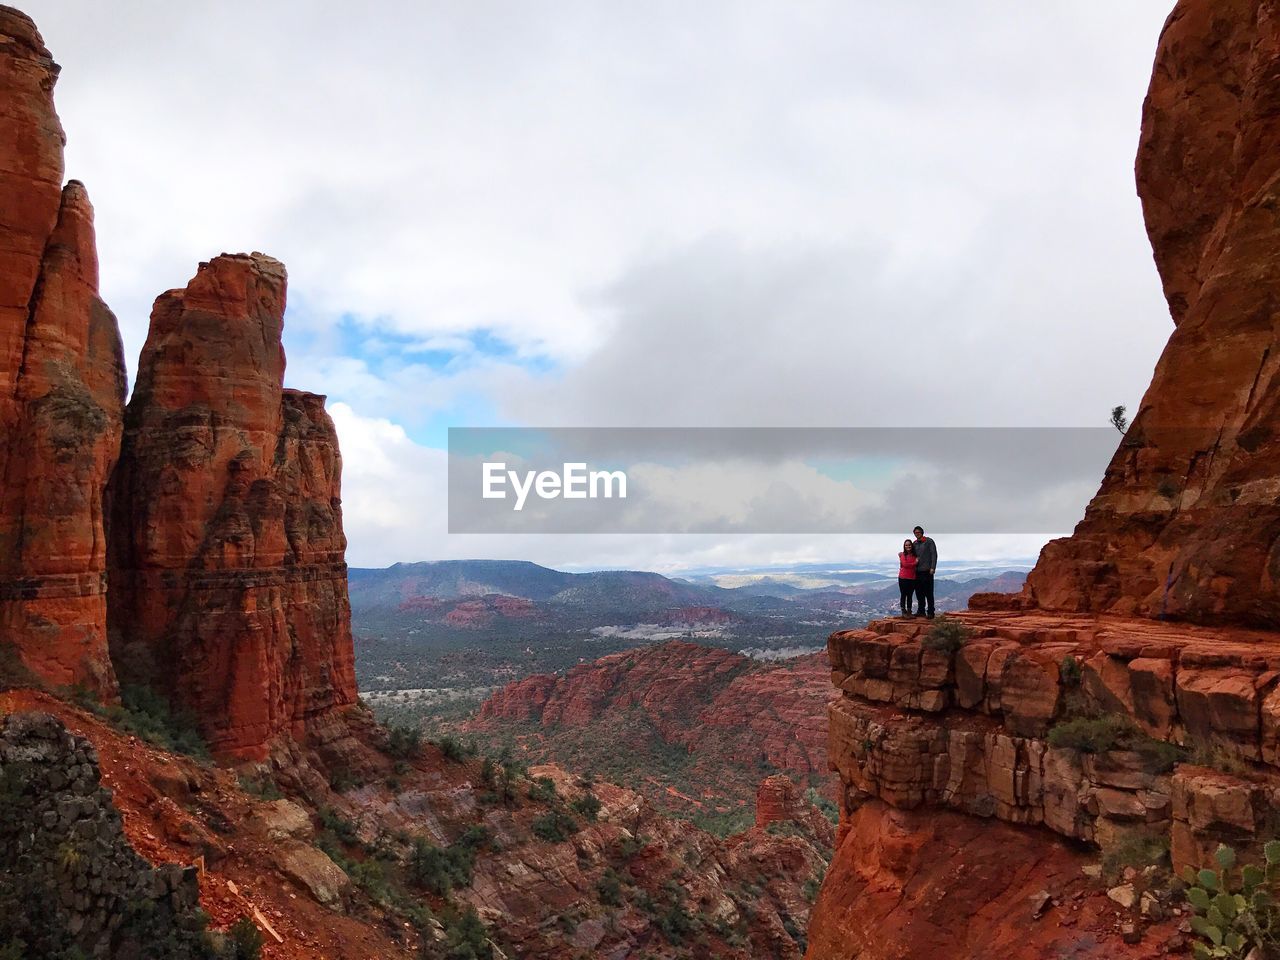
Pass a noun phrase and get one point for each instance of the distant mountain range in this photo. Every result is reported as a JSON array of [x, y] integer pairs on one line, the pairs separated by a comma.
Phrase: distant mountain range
[[481, 623]]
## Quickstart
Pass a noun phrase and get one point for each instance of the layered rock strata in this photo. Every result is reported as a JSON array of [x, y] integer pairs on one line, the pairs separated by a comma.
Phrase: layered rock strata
[[228, 584], [62, 386], [968, 730]]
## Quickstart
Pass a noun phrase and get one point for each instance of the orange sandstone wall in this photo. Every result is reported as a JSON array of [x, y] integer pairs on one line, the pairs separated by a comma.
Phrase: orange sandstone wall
[[62, 385], [1187, 521], [228, 584]]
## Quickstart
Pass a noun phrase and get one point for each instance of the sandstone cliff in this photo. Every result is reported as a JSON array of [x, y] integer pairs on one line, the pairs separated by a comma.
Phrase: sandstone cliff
[[1187, 521], [1124, 701], [224, 528], [62, 385], [228, 584]]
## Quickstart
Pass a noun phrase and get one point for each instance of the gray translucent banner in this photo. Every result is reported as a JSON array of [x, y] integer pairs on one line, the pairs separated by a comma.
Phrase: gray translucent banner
[[773, 480]]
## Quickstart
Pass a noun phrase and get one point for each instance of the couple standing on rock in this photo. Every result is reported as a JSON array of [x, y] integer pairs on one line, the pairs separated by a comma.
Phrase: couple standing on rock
[[917, 564]]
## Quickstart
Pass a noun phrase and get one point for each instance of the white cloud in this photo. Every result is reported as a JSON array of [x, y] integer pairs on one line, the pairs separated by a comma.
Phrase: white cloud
[[730, 212], [394, 495]]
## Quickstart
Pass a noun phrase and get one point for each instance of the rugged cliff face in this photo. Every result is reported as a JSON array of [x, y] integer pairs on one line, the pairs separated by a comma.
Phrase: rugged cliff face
[[228, 585], [1187, 521], [1070, 711], [224, 527], [62, 385], [1132, 737]]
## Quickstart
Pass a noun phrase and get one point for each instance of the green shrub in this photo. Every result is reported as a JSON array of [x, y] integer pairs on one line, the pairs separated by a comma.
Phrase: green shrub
[[262, 787], [555, 826], [1137, 850], [452, 749], [1206, 753], [440, 869], [245, 940], [338, 825], [1113, 731], [629, 846], [1091, 734], [370, 875], [672, 918], [476, 837], [1235, 908], [609, 888], [1070, 671], [403, 743], [811, 888], [148, 716], [947, 635], [465, 939], [587, 806], [1158, 756], [342, 779], [542, 790]]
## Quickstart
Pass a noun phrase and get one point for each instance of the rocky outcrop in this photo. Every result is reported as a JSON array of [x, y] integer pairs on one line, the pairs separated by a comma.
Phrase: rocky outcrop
[[694, 696], [911, 885], [780, 800], [69, 879], [967, 731], [228, 585], [739, 897], [1070, 708], [1187, 521], [62, 386]]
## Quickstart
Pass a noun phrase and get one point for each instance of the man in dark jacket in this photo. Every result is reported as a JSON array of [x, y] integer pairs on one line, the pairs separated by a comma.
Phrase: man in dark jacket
[[926, 566]]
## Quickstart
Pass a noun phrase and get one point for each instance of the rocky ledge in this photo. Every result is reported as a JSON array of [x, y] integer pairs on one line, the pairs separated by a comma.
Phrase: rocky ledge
[[1014, 724]]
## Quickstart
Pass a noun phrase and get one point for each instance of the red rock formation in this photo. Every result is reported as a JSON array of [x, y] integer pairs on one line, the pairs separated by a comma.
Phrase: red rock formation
[[919, 729], [966, 730], [780, 800], [693, 695], [62, 385], [1187, 521], [228, 585], [1186, 524], [910, 885]]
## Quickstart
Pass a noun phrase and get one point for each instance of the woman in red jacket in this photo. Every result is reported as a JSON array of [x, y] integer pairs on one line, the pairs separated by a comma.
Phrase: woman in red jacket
[[907, 575]]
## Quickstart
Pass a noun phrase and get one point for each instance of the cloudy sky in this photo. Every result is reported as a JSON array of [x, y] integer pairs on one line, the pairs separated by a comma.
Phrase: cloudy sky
[[570, 213]]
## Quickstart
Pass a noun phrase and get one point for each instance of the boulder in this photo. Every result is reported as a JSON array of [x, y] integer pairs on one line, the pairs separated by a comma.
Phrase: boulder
[[314, 872]]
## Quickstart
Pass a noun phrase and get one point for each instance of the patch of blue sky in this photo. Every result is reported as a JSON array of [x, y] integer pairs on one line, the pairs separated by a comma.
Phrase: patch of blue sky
[[865, 471], [390, 357]]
